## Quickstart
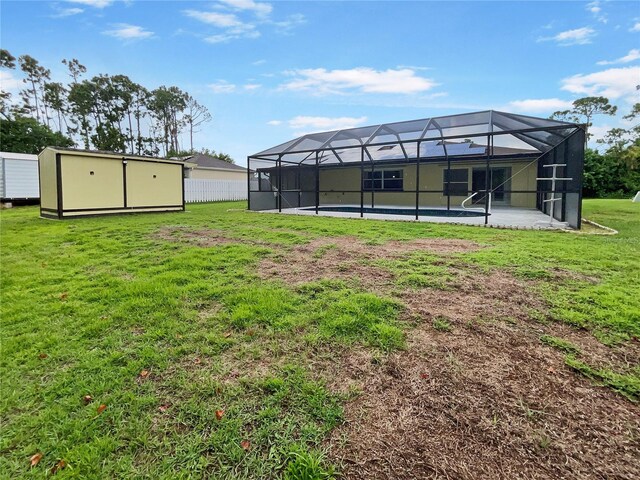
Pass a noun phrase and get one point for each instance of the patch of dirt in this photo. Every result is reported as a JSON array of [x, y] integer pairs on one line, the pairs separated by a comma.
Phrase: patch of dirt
[[201, 238], [487, 401], [473, 296], [345, 258]]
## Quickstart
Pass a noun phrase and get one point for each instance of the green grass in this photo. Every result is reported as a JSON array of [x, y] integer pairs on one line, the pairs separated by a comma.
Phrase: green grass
[[441, 324], [88, 304], [559, 344]]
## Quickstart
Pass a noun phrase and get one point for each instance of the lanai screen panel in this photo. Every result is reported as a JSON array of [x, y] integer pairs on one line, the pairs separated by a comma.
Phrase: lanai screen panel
[[482, 136]]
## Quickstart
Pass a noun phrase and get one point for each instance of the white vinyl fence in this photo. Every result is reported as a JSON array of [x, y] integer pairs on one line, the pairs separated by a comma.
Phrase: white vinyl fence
[[201, 190]]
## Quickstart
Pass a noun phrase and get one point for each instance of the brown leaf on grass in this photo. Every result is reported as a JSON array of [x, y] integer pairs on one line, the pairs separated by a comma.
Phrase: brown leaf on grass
[[245, 444], [87, 399], [101, 408], [58, 466], [197, 361], [227, 334], [63, 296], [219, 414], [551, 370], [35, 459], [163, 408], [144, 373], [42, 356]]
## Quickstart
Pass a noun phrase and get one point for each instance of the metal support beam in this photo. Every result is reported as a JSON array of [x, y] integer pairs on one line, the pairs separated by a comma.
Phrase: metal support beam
[[280, 183], [317, 184], [362, 182], [417, 180], [249, 183], [487, 183]]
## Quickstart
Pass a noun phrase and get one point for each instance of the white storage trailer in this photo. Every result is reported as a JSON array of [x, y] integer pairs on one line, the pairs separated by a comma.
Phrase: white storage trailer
[[19, 177]]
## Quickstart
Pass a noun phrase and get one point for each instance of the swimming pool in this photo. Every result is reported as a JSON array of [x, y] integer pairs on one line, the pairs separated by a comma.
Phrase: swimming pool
[[423, 212]]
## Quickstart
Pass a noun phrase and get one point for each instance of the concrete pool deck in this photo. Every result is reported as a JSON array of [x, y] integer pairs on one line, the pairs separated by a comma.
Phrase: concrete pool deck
[[501, 217]]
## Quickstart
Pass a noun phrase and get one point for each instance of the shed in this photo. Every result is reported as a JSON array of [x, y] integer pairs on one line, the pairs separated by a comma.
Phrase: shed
[[75, 183], [19, 177]]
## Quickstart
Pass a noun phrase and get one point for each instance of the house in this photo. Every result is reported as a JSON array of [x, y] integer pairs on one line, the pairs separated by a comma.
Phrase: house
[[208, 167], [474, 164]]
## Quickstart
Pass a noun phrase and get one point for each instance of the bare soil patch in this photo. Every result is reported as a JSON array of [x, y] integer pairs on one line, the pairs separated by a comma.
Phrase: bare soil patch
[[346, 258], [484, 401]]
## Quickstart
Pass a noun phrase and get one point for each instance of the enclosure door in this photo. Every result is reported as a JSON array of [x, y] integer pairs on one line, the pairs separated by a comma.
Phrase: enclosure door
[[499, 183]]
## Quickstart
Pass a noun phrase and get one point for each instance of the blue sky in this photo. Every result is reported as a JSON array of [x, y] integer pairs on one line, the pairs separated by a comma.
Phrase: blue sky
[[269, 71]]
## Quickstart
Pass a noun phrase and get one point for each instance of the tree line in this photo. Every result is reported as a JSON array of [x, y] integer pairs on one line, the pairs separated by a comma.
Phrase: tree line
[[104, 112], [614, 169]]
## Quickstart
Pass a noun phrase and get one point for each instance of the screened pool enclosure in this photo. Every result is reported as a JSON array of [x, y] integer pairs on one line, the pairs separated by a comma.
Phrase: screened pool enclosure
[[469, 165]]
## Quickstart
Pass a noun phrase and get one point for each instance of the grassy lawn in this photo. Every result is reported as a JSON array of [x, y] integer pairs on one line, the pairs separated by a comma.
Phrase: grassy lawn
[[229, 344]]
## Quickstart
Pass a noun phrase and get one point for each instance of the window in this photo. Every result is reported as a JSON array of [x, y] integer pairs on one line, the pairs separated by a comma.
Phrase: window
[[459, 182], [383, 180], [387, 147]]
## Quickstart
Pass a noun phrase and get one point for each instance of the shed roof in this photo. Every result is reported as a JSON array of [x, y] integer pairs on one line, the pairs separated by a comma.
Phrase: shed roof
[[113, 155], [18, 156]]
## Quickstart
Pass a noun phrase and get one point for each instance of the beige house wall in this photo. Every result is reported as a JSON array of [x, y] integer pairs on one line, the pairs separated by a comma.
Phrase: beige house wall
[[431, 178]]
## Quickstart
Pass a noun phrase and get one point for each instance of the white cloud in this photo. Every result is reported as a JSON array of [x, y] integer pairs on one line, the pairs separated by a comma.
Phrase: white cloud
[[93, 3], [274, 123], [259, 62], [635, 28], [222, 86], [233, 28], [292, 21], [127, 32], [259, 8], [320, 81], [540, 105], [612, 83], [222, 20], [633, 55], [67, 12], [306, 123], [596, 10], [227, 37], [238, 19], [9, 83], [252, 86], [578, 36]]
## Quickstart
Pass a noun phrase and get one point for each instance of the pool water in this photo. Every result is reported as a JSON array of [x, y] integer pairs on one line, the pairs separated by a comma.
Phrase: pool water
[[423, 212]]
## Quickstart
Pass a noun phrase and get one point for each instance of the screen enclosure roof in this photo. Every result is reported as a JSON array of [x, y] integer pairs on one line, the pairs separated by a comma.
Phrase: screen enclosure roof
[[467, 134]]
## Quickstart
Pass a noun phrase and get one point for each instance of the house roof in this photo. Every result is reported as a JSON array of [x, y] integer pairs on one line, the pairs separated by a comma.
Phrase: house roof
[[207, 161]]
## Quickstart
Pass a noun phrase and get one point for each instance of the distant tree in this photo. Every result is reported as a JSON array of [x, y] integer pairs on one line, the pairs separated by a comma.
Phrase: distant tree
[[196, 115], [55, 95], [76, 69], [167, 105], [27, 135], [80, 122], [7, 61], [36, 76], [225, 157], [584, 110]]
